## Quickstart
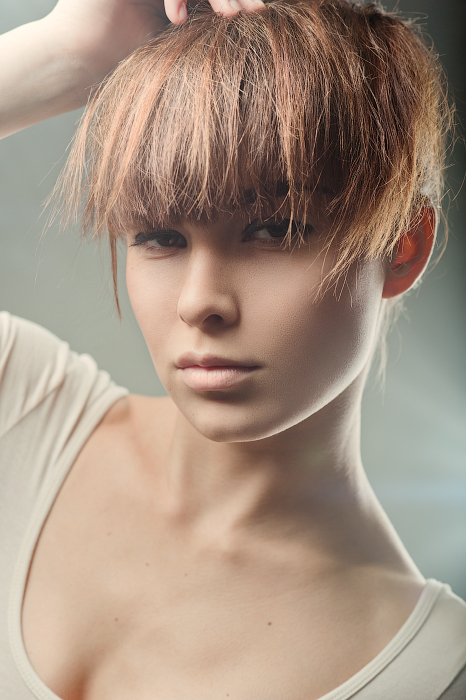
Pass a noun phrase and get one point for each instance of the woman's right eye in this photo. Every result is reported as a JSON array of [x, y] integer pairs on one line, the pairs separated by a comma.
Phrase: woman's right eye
[[158, 240]]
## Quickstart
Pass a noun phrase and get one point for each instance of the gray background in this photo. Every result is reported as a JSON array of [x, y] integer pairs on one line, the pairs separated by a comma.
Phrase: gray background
[[414, 436]]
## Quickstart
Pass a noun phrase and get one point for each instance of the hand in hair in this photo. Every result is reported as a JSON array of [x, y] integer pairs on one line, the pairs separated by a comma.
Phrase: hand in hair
[[177, 13], [48, 67], [106, 31]]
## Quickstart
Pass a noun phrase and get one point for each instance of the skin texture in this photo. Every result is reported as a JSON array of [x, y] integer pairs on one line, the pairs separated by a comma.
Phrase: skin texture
[[249, 299], [252, 301]]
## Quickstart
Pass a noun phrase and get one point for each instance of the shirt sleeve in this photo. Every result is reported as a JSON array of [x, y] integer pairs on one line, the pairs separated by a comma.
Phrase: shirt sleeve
[[35, 364]]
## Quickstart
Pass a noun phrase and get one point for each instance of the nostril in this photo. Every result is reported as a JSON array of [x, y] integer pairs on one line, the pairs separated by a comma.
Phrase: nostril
[[214, 318]]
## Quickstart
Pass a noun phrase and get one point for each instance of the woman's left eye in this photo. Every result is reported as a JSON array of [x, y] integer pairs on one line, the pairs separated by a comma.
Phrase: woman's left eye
[[274, 232], [159, 240]]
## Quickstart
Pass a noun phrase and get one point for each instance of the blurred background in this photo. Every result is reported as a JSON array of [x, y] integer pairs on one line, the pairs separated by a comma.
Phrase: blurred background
[[413, 434]]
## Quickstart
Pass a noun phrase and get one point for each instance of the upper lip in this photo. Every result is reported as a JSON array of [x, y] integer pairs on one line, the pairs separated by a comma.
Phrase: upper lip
[[191, 359]]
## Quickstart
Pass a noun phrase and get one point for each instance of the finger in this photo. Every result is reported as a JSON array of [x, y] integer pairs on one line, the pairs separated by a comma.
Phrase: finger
[[248, 5], [227, 8], [177, 13], [232, 7]]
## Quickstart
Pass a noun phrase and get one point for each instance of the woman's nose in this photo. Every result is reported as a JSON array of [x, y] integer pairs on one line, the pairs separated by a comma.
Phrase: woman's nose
[[207, 298]]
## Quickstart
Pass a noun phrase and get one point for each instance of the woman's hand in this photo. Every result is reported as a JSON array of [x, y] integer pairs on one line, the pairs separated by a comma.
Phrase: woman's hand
[[48, 67], [103, 32], [100, 33]]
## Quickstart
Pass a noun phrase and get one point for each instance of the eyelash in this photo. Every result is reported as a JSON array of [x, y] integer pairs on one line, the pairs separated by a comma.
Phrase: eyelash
[[142, 239]]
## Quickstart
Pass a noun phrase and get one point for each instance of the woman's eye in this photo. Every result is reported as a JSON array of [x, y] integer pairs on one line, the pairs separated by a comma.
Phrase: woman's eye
[[274, 232], [158, 240], [271, 233]]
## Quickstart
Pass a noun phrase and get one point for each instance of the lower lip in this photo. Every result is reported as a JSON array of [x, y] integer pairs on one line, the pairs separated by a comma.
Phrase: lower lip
[[214, 378]]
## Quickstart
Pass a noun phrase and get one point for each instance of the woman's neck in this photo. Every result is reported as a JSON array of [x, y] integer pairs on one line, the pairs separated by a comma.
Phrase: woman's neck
[[304, 489]]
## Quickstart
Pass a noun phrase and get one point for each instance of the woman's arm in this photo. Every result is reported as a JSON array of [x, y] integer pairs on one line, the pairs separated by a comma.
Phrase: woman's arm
[[48, 67]]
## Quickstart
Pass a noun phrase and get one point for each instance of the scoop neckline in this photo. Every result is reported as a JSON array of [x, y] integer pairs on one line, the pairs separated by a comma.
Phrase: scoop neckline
[[40, 512]]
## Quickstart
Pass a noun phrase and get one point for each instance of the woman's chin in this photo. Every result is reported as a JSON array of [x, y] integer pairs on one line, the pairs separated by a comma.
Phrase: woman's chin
[[236, 423], [230, 430]]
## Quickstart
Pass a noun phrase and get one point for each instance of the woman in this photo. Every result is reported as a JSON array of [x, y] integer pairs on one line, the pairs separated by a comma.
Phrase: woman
[[275, 172]]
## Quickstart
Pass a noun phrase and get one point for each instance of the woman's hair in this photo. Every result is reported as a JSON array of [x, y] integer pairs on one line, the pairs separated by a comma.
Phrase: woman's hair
[[330, 103]]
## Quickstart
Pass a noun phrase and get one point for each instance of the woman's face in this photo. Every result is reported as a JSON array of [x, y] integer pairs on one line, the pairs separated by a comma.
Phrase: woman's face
[[211, 297]]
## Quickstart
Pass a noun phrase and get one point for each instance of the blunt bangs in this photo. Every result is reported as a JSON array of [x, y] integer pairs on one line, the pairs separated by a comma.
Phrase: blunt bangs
[[326, 104]]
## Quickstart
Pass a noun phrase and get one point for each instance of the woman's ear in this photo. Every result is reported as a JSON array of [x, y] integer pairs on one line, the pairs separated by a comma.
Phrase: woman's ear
[[413, 254]]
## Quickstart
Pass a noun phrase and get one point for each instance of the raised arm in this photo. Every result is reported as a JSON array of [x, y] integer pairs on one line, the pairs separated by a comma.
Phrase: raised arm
[[48, 67]]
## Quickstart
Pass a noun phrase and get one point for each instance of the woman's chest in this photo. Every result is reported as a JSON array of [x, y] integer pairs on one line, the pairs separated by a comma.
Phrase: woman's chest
[[109, 614], [117, 605], [118, 621]]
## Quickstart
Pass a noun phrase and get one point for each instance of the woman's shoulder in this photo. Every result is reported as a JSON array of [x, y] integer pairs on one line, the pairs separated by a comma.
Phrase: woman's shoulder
[[33, 363], [426, 659], [25, 342], [36, 365], [438, 654]]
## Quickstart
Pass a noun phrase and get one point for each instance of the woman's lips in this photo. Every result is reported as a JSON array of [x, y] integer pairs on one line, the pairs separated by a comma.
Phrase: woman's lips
[[210, 373], [214, 378]]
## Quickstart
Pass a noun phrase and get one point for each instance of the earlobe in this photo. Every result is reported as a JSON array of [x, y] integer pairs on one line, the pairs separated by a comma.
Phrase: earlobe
[[413, 254]]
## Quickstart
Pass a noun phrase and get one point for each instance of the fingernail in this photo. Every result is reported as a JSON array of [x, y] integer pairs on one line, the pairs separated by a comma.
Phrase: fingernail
[[235, 5], [182, 13]]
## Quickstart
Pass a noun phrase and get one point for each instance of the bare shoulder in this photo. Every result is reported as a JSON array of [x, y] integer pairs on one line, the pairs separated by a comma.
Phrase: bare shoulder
[[132, 406], [128, 440], [132, 414]]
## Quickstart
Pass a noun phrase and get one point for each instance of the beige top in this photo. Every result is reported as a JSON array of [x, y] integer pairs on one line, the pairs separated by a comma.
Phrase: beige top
[[51, 399]]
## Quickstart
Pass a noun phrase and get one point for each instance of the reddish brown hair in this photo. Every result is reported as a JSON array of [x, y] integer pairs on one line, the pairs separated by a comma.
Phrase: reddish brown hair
[[332, 101]]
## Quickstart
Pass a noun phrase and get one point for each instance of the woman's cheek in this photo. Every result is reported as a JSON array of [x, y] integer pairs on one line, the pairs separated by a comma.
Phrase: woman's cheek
[[153, 300], [346, 322], [313, 347], [321, 346]]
